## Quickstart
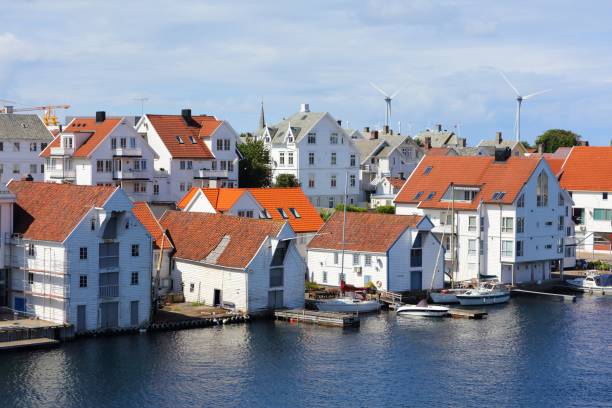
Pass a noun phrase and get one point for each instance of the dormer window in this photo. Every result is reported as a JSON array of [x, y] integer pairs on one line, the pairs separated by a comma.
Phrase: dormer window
[[267, 139], [290, 139], [180, 140]]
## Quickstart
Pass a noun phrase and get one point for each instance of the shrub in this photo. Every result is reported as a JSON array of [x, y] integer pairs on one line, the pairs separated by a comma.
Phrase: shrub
[[386, 209], [350, 208]]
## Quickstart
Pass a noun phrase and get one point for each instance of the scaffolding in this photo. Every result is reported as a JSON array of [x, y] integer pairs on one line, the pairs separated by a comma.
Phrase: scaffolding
[[51, 268]]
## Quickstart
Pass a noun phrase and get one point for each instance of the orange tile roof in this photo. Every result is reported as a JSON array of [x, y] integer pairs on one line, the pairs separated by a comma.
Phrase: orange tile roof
[[368, 232], [437, 151], [555, 164], [396, 182], [588, 168], [222, 199], [98, 130], [142, 211], [50, 211], [473, 171], [196, 235], [168, 127]]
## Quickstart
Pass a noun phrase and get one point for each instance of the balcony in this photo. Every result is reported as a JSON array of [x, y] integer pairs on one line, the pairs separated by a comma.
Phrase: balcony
[[130, 175], [62, 174], [211, 174], [62, 151], [127, 152]]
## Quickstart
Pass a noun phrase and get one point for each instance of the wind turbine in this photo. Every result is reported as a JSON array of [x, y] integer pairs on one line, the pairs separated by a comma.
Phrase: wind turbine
[[388, 99], [519, 101]]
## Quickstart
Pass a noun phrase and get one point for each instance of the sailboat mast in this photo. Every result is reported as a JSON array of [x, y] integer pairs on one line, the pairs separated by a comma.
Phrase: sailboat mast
[[452, 237], [343, 226]]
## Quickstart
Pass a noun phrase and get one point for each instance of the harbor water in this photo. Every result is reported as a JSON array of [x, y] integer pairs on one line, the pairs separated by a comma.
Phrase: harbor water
[[528, 353]]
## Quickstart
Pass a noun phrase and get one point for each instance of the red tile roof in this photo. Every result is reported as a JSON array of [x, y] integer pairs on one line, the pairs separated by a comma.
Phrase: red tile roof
[[50, 211], [473, 171], [168, 127], [222, 199], [368, 232], [554, 163], [98, 130], [196, 235], [396, 182], [588, 168], [437, 151], [142, 211]]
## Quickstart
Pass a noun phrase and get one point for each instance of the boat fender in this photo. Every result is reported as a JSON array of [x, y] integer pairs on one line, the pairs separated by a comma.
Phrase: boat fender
[[379, 284]]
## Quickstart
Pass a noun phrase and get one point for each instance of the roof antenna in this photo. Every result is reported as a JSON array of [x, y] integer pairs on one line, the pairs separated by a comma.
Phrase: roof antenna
[[142, 100]]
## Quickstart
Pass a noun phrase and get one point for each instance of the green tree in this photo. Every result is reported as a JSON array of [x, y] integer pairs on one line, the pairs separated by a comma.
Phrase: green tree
[[385, 209], [553, 139], [526, 144], [286, 180], [254, 167], [350, 208]]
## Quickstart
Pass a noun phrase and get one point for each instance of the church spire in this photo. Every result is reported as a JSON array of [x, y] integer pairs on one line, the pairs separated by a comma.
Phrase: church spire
[[262, 118]]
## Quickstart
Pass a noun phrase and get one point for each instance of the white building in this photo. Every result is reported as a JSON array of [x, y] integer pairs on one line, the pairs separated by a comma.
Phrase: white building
[[386, 191], [503, 216], [247, 264], [314, 148], [22, 138], [79, 256], [587, 174], [7, 199], [192, 151], [102, 151], [396, 253], [516, 147]]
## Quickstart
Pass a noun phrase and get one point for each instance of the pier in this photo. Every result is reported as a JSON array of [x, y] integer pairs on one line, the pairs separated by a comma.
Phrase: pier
[[319, 318], [545, 295], [28, 343], [467, 314]]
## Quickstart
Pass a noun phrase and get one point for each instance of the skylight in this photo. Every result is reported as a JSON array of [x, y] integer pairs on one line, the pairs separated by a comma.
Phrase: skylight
[[180, 140], [265, 214], [282, 213], [192, 140], [430, 195], [427, 170], [295, 213], [418, 195], [498, 195]]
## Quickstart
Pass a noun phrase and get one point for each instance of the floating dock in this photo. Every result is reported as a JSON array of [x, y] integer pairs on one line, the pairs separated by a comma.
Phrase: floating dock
[[316, 317], [467, 314], [28, 343], [550, 296]]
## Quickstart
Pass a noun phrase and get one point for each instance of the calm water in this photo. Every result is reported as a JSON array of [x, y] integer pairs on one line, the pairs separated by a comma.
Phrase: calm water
[[528, 353]]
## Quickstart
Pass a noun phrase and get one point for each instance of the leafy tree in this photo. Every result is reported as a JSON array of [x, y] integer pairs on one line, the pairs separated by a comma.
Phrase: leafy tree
[[286, 180], [526, 144], [553, 139], [385, 209], [254, 167]]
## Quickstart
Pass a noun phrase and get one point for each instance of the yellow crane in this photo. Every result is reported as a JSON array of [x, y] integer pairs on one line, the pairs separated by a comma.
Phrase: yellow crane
[[49, 117]]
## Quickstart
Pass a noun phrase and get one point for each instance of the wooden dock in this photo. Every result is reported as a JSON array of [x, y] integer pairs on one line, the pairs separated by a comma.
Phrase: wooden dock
[[467, 314], [28, 343], [550, 296], [317, 317]]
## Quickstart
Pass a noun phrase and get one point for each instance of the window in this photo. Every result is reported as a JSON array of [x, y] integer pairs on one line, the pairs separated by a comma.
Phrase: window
[[482, 224], [108, 166], [295, 212], [123, 142], [276, 276], [427, 170], [355, 259], [290, 158], [542, 190], [602, 214], [604, 196], [520, 225], [353, 160], [519, 248], [33, 168], [282, 213], [31, 250], [82, 281], [333, 159], [43, 146], [416, 252], [16, 169], [446, 218], [353, 180], [134, 279], [560, 245], [2, 168], [336, 256], [135, 250], [226, 144], [99, 166], [330, 202], [1, 146], [311, 159], [332, 181], [324, 277], [133, 142], [472, 223], [219, 144], [368, 260], [155, 189], [507, 248], [507, 224], [180, 140], [182, 165], [333, 138], [499, 195], [33, 147], [430, 195], [192, 140], [109, 255], [189, 165], [520, 202], [113, 143], [93, 224], [192, 287], [281, 158], [312, 138], [223, 165], [418, 195], [83, 253], [472, 247], [561, 222], [562, 200], [311, 180], [30, 278], [16, 146]]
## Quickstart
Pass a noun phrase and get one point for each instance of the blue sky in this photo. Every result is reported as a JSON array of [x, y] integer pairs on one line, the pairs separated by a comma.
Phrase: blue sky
[[222, 58]]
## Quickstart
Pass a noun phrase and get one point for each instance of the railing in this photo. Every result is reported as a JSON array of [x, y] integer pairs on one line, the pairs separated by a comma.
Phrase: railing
[[130, 175], [211, 174], [5, 194], [109, 291], [127, 151], [61, 173], [62, 151]]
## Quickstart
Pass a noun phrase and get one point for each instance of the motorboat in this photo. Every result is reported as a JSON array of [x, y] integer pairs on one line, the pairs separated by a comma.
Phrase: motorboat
[[592, 283], [485, 294], [422, 309], [446, 296], [348, 305]]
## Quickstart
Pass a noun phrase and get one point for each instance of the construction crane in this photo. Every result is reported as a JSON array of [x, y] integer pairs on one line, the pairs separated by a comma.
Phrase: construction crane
[[49, 117]]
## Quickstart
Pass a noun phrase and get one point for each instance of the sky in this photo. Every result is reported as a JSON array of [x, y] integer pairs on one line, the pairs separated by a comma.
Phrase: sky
[[224, 57]]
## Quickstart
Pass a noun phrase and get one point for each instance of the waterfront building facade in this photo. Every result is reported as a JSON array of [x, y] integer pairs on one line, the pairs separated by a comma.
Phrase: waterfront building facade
[[392, 252], [192, 151], [505, 215], [244, 264], [79, 256], [101, 151], [313, 147], [22, 138], [7, 200]]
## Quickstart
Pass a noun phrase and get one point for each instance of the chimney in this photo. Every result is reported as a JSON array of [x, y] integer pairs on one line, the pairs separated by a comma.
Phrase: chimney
[[502, 154], [540, 148], [462, 142], [386, 129], [374, 134], [339, 122], [439, 127], [366, 129], [61, 127], [304, 108], [100, 116], [498, 138], [29, 178], [186, 114], [428, 142]]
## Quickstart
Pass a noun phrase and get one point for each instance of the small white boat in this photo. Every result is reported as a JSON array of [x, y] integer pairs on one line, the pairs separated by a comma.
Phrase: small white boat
[[422, 309], [348, 305], [486, 294], [446, 296], [593, 283]]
